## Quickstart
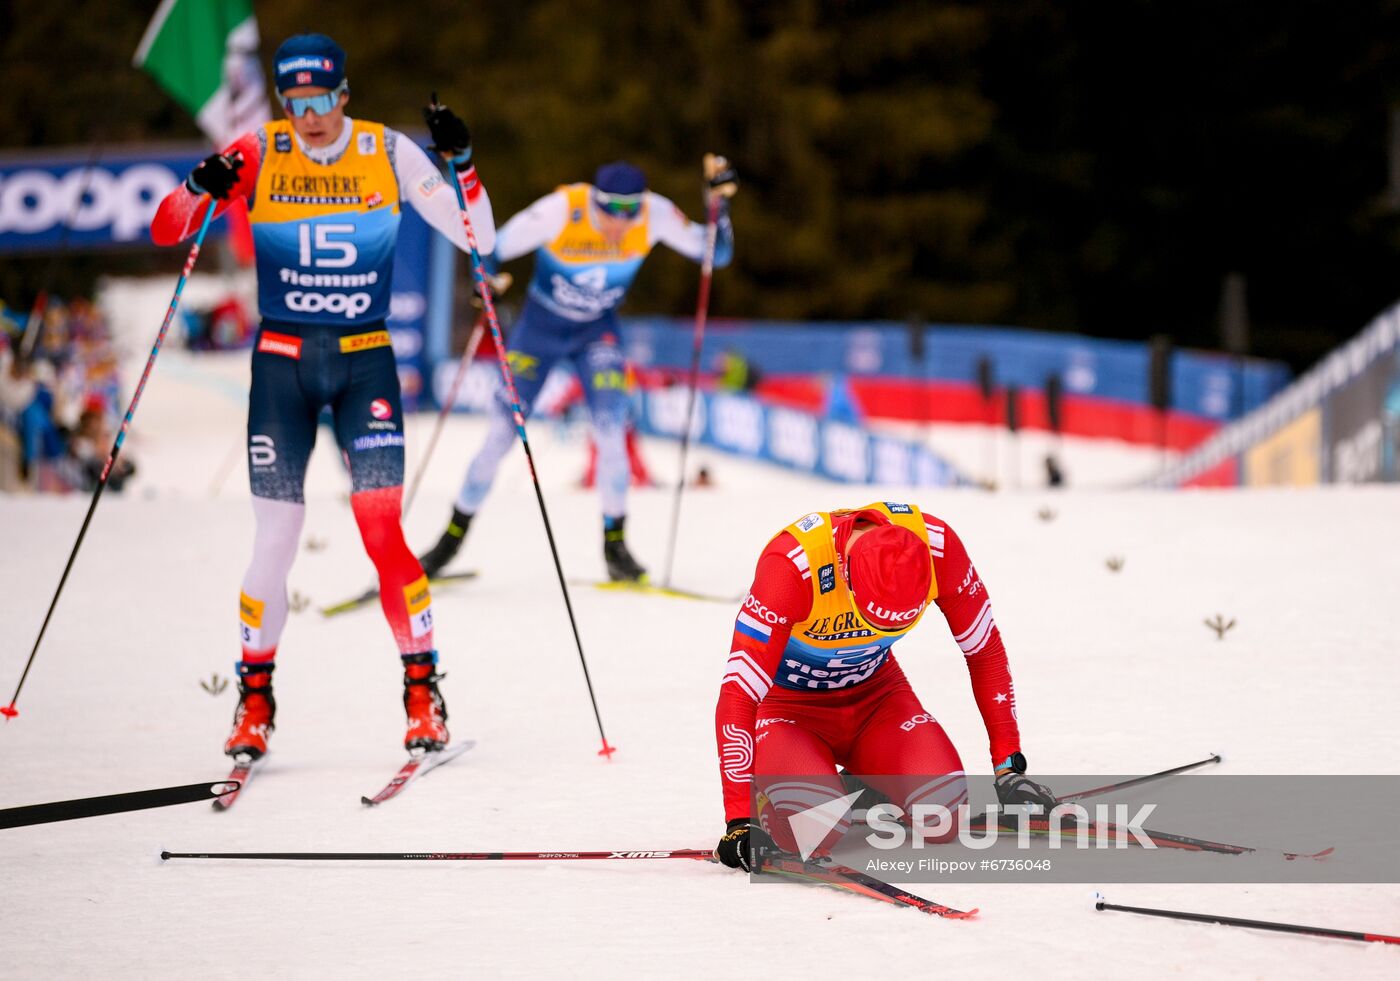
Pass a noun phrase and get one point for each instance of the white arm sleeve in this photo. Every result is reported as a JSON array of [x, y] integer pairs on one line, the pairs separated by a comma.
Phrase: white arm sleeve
[[670, 227], [422, 185], [537, 225]]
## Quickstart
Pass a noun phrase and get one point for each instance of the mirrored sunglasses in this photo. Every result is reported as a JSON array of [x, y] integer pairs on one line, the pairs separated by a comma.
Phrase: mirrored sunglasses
[[319, 104], [620, 205]]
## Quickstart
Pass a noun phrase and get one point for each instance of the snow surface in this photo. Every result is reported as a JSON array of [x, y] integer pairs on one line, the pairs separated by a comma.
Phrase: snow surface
[[1114, 672]]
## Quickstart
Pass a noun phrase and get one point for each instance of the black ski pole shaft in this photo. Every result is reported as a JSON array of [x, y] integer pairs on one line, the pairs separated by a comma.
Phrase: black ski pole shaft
[[1314, 931], [518, 414], [138, 800], [702, 308], [9, 711], [1213, 758]]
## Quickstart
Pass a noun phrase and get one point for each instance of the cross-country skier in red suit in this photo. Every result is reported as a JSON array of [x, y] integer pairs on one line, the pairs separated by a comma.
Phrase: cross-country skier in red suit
[[812, 681]]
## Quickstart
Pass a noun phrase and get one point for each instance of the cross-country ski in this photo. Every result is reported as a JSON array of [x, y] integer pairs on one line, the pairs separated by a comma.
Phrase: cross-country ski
[[418, 765]]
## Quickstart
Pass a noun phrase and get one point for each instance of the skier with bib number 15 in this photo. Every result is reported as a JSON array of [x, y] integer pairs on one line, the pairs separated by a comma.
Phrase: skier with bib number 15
[[325, 193]]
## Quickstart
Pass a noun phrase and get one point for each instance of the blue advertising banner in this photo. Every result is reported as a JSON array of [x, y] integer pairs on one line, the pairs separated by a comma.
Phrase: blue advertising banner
[[1211, 386], [84, 200], [801, 441], [76, 199]]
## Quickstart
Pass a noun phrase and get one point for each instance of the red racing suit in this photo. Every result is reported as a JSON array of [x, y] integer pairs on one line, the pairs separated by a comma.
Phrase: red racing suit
[[810, 685]]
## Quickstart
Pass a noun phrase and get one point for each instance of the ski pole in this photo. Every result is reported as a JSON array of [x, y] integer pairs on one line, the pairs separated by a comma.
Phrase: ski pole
[[702, 307], [138, 800], [1213, 758], [518, 414], [9, 711], [1100, 904], [691, 853], [834, 875]]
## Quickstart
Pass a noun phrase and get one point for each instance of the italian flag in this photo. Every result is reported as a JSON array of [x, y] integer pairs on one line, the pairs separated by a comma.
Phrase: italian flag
[[205, 54]]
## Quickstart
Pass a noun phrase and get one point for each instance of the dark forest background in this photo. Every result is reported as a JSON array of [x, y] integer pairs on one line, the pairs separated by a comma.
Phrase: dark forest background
[[1088, 166]]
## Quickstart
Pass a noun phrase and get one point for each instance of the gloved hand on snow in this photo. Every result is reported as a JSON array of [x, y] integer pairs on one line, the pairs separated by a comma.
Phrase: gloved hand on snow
[[1014, 787]]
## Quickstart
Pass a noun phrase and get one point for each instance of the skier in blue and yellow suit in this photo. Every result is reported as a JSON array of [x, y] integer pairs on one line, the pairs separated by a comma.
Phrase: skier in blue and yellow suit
[[589, 242]]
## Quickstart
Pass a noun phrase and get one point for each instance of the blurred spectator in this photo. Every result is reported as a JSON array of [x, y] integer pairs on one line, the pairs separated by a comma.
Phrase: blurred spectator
[[736, 372], [223, 327], [26, 402], [88, 447], [66, 390]]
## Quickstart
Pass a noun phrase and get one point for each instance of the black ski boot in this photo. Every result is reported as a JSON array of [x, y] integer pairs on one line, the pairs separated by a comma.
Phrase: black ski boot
[[442, 553], [621, 566]]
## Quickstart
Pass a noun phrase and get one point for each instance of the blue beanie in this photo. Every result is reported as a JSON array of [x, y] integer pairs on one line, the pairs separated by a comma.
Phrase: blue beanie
[[308, 59], [620, 177]]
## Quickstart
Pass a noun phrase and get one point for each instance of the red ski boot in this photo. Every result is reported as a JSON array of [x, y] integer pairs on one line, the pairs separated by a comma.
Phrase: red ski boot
[[423, 704], [252, 720]]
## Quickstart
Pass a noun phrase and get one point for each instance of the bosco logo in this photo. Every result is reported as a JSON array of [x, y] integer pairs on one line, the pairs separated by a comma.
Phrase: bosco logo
[[380, 409], [349, 304], [762, 612]]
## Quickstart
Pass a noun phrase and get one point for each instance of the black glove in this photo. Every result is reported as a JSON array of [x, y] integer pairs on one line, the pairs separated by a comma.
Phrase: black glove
[[1014, 787], [735, 849], [720, 176], [451, 138], [215, 175]]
